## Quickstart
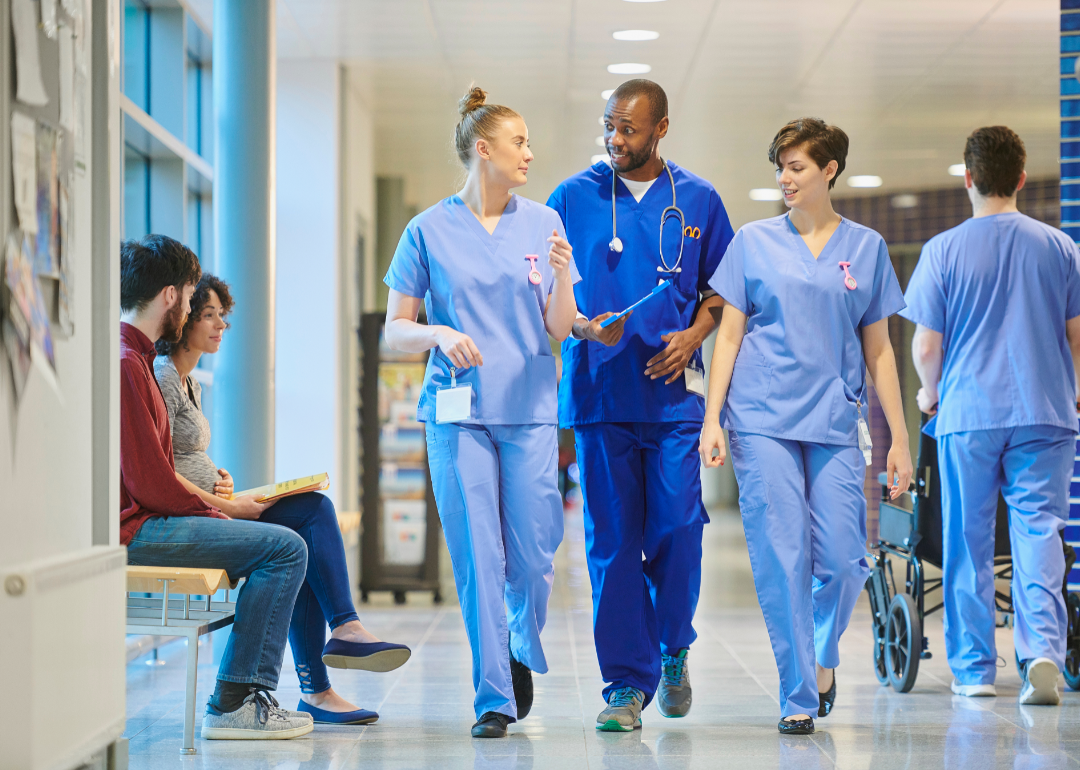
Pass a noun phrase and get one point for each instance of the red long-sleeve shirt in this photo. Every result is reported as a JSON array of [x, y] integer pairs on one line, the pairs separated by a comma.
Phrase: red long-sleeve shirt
[[148, 484]]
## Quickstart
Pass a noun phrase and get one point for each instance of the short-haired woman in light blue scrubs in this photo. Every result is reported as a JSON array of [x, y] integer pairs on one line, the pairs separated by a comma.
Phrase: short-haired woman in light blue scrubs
[[807, 299], [496, 276]]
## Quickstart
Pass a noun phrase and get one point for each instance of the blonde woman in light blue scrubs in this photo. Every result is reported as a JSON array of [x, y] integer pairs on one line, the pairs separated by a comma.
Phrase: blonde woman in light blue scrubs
[[496, 277], [807, 299]]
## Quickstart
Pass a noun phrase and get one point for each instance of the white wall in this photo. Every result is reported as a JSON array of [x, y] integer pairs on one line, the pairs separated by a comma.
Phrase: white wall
[[307, 270], [325, 204]]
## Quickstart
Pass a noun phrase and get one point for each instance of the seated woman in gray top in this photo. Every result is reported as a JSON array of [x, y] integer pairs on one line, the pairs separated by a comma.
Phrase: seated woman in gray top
[[325, 598]]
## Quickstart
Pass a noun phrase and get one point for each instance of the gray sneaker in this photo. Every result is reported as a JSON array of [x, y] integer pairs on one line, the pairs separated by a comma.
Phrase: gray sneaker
[[674, 695], [623, 712], [257, 720]]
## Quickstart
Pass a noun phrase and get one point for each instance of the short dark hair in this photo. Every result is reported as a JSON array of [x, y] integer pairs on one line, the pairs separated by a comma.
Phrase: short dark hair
[[199, 299], [995, 156], [632, 89], [821, 141], [149, 265]]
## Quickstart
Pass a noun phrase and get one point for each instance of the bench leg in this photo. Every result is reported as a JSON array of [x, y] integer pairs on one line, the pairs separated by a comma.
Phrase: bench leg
[[189, 703]]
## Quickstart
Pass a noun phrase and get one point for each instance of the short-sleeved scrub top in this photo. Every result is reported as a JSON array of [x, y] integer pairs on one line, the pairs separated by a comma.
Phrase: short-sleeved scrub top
[[800, 373], [478, 284], [999, 289], [609, 384]]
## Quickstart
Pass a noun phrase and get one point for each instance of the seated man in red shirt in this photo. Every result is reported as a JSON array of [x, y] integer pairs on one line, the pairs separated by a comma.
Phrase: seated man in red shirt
[[164, 525]]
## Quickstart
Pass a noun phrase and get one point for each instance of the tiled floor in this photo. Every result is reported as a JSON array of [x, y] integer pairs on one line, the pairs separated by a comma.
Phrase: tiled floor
[[426, 706]]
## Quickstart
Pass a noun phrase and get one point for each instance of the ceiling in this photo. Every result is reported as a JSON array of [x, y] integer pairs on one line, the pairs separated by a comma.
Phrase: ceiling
[[906, 79]]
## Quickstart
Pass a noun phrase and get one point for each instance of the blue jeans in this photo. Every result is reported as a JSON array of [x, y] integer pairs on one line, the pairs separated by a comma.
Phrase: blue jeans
[[273, 559], [325, 598]]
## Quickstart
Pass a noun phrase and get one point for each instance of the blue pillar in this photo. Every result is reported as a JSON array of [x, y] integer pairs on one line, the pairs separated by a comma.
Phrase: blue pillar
[[1070, 192], [244, 85]]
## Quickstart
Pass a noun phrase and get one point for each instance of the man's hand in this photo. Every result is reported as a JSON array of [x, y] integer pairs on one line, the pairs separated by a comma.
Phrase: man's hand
[[591, 330], [224, 487], [928, 402], [245, 507], [674, 358]]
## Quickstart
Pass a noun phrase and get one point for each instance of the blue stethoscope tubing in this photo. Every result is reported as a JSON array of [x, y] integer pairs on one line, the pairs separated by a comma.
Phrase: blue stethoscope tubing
[[673, 210]]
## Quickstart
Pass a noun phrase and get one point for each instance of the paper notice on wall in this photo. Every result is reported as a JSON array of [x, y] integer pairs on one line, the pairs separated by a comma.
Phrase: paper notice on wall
[[78, 136], [48, 18], [24, 170], [48, 214], [67, 77], [404, 531], [29, 87]]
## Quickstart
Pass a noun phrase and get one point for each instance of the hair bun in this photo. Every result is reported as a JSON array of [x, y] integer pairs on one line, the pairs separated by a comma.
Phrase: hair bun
[[474, 99]]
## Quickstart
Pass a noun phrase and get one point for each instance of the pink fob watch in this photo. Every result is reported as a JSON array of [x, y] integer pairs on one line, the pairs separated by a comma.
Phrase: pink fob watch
[[534, 274], [849, 279]]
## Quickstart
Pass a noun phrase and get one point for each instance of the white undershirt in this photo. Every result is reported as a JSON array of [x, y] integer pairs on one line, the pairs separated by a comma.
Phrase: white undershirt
[[637, 189]]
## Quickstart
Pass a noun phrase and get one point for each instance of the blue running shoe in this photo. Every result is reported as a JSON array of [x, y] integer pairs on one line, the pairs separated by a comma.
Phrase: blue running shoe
[[623, 712], [674, 696]]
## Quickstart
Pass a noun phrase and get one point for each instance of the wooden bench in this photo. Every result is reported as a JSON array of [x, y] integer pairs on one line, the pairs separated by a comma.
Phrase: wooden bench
[[175, 614]]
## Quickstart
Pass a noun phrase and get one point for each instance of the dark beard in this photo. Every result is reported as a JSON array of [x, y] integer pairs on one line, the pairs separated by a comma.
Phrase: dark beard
[[636, 160], [172, 325]]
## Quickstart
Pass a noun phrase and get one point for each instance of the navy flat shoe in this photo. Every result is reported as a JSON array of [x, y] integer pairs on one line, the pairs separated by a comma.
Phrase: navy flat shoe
[[796, 726], [323, 717], [366, 656]]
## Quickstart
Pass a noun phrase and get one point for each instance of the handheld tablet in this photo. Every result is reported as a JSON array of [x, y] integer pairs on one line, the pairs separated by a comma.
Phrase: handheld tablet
[[655, 292]]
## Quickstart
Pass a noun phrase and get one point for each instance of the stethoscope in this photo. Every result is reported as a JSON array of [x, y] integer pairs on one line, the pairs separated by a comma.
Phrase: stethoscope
[[673, 210]]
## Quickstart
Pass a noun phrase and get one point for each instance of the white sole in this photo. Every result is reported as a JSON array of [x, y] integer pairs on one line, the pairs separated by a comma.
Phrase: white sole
[[1041, 687], [974, 690], [387, 660], [237, 734]]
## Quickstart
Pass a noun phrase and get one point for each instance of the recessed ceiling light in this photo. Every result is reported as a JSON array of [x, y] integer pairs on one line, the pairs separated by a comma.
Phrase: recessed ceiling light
[[600, 159], [864, 180], [605, 95], [635, 34], [629, 68], [602, 121], [957, 169], [905, 201], [765, 194], [600, 141]]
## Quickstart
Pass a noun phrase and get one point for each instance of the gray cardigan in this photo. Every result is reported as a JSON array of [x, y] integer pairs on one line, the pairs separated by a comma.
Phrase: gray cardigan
[[189, 426]]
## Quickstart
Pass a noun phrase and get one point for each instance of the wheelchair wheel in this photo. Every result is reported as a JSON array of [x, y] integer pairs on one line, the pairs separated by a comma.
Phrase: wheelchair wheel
[[903, 642], [880, 668], [1072, 651]]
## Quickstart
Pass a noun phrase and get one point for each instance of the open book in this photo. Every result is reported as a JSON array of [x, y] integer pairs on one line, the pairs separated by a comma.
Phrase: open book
[[286, 488]]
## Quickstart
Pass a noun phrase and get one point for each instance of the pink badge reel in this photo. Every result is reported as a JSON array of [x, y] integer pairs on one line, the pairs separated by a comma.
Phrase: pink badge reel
[[849, 279], [534, 274]]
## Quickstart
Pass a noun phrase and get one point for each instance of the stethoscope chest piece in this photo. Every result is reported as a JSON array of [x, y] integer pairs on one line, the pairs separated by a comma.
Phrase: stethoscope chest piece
[[616, 245]]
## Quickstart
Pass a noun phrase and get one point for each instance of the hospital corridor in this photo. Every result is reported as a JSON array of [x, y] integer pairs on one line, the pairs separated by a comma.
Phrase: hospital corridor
[[424, 706], [539, 384]]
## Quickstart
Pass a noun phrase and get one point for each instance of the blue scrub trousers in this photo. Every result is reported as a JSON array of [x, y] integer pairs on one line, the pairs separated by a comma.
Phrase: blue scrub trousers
[[804, 513], [497, 490], [1031, 467], [642, 488]]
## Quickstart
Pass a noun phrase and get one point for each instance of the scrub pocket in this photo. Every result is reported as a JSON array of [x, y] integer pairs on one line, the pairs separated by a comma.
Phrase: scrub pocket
[[748, 393], [753, 492], [543, 389]]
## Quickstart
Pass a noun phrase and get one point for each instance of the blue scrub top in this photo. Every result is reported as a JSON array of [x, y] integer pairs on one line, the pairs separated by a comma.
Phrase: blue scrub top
[[1000, 288], [478, 284], [602, 384], [800, 373]]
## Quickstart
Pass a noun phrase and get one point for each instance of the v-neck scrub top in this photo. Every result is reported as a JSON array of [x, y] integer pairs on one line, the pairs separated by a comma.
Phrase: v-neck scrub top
[[800, 373], [609, 384], [478, 283]]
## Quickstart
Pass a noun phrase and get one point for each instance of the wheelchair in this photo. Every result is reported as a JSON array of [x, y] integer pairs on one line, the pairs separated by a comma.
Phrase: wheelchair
[[911, 533]]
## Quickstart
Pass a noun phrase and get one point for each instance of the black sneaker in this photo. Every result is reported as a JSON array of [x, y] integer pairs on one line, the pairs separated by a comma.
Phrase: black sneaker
[[523, 687], [491, 725], [796, 726]]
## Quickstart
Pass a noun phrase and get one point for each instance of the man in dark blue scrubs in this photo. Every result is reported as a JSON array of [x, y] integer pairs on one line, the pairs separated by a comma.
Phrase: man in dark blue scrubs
[[634, 393]]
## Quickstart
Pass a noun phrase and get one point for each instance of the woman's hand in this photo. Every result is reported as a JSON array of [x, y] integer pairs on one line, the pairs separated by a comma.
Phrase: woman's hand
[[899, 469], [244, 507], [224, 488], [712, 437], [559, 255], [458, 347]]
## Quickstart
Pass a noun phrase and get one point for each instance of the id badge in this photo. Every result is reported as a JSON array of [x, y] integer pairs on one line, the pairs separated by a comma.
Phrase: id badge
[[694, 379], [866, 446], [453, 404]]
